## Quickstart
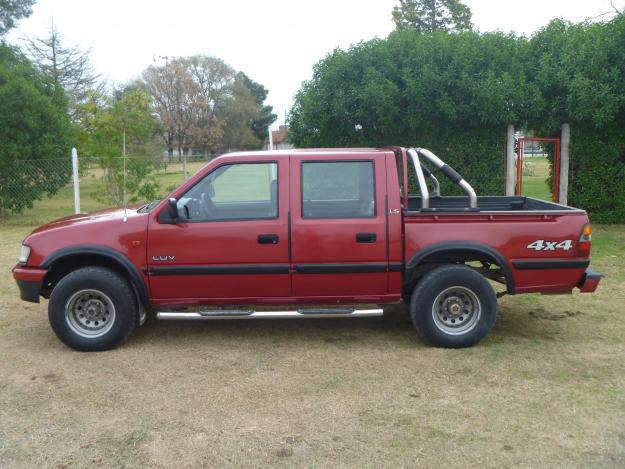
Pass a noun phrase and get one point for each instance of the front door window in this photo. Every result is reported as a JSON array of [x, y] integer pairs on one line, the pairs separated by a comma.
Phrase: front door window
[[245, 191]]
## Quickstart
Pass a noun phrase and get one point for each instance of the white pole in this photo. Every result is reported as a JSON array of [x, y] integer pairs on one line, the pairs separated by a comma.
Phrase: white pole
[[510, 163], [563, 192], [270, 147], [76, 183]]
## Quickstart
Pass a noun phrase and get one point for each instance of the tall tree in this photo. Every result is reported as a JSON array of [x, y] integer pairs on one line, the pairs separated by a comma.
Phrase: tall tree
[[215, 80], [426, 16], [13, 10], [178, 102], [34, 126], [239, 113], [204, 104], [68, 66], [122, 125], [266, 117]]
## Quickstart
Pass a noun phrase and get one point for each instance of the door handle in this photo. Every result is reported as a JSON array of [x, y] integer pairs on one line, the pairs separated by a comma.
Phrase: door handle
[[268, 239], [366, 237]]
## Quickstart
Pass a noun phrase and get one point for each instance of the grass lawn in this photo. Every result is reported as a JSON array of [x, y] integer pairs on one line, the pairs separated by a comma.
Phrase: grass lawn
[[535, 184], [545, 389]]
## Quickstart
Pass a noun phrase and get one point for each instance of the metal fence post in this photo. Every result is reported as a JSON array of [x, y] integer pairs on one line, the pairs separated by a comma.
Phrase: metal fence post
[[270, 143], [563, 193], [510, 163], [76, 183]]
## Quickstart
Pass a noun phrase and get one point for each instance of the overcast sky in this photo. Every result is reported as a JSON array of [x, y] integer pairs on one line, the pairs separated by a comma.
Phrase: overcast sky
[[275, 42]]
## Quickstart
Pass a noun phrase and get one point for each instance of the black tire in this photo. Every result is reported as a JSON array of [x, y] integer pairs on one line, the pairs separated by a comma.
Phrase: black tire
[[102, 295], [466, 307]]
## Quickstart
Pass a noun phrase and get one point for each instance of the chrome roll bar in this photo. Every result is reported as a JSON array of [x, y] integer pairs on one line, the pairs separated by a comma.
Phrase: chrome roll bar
[[447, 171], [425, 194], [428, 174]]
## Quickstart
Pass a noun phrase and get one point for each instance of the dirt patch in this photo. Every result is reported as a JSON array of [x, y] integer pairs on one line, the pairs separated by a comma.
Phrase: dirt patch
[[545, 388]]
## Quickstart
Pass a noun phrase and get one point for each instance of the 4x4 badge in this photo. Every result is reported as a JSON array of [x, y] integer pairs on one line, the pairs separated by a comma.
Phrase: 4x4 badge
[[163, 258]]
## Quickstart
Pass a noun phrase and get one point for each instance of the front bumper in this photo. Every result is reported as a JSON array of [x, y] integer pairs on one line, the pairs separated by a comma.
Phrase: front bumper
[[29, 281], [590, 281]]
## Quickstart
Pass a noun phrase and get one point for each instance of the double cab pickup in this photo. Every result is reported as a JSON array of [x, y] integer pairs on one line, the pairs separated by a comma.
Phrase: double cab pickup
[[305, 234]]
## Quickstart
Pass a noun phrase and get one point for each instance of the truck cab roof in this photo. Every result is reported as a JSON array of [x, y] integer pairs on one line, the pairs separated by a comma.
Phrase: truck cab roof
[[303, 151]]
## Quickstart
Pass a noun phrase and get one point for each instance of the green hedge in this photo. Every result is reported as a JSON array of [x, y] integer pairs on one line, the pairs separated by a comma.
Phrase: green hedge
[[456, 94], [449, 93], [580, 70]]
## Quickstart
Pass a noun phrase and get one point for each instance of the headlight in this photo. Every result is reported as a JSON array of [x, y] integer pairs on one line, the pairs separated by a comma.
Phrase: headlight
[[24, 254]]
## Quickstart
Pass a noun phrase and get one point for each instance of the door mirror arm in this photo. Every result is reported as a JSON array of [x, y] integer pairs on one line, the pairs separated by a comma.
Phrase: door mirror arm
[[172, 204]]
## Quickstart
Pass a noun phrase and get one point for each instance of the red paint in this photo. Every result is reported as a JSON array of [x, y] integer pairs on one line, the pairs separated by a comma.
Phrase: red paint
[[222, 243], [333, 241], [28, 274], [320, 242]]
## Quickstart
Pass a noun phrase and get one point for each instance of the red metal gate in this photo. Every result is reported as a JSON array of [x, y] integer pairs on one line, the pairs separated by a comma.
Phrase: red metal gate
[[555, 166]]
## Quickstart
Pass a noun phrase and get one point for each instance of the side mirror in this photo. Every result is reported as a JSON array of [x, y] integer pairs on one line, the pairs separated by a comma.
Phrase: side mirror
[[173, 209]]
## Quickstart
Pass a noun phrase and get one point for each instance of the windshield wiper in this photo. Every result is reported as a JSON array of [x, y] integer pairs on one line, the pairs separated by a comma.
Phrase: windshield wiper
[[147, 207]]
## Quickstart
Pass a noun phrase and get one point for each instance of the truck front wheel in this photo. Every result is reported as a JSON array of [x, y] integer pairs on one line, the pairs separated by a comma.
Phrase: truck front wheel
[[453, 306], [92, 308]]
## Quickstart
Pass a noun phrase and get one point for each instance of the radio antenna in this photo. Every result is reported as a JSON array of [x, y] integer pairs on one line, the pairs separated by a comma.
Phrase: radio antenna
[[125, 195]]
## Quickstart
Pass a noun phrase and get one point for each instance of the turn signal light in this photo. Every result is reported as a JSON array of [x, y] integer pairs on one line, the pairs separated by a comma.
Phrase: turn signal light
[[583, 248]]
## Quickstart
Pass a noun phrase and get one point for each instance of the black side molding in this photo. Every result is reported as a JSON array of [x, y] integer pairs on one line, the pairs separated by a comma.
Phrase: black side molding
[[161, 270], [551, 264], [339, 268]]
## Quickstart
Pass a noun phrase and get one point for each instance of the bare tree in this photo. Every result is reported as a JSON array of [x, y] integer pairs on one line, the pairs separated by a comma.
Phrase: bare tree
[[69, 67], [618, 12], [178, 103], [187, 93], [12, 10], [214, 77], [202, 103]]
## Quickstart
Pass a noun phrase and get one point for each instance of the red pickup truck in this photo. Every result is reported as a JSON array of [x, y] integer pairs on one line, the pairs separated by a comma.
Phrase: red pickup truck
[[321, 231]]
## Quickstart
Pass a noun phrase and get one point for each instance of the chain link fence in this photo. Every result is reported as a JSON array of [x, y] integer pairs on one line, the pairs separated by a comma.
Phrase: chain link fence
[[22, 182], [41, 190], [45, 187]]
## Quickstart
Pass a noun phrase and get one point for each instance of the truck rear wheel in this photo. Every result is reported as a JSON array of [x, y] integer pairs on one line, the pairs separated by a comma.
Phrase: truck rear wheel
[[453, 306], [92, 308]]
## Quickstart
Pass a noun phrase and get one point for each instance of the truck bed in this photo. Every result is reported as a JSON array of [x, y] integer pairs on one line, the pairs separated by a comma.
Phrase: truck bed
[[486, 204]]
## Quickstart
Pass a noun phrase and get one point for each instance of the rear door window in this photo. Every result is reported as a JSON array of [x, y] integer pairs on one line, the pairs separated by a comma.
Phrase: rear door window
[[338, 189]]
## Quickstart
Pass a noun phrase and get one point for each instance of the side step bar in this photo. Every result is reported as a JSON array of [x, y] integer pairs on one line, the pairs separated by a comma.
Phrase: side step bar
[[301, 313]]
